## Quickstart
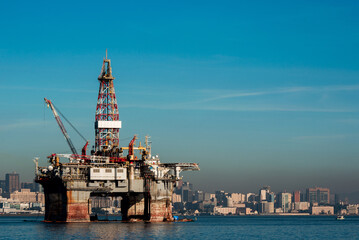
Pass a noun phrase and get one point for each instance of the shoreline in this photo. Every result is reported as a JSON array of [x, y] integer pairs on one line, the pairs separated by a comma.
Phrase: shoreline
[[253, 215], [22, 214]]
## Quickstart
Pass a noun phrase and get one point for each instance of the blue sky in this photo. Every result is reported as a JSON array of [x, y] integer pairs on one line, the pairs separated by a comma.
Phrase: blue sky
[[257, 92]]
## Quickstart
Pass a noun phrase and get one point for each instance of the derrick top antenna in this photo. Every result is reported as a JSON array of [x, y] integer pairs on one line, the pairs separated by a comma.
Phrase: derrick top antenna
[[106, 71]]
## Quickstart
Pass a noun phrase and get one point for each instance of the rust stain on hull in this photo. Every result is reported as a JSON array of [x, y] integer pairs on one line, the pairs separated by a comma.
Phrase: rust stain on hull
[[77, 207], [161, 211], [77, 212]]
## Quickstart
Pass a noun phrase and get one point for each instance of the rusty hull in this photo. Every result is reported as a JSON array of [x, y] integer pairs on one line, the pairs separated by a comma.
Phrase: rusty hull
[[78, 206], [152, 206], [146, 193], [63, 204]]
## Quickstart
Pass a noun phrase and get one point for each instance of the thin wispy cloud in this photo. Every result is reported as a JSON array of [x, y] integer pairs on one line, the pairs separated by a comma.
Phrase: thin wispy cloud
[[199, 100], [236, 109], [20, 124], [278, 109], [226, 94], [27, 88], [320, 137], [340, 88], [353, 121]]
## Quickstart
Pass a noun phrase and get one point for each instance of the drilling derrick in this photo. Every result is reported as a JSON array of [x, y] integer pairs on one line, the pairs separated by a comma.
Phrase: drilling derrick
[[107, 124]]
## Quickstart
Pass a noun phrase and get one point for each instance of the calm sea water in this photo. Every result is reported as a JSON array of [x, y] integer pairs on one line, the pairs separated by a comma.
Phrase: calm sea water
[[236, 227]]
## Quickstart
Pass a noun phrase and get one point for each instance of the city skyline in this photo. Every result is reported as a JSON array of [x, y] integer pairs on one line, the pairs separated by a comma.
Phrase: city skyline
[[12, 183], [257, 93], [303, 193], [29, 199]]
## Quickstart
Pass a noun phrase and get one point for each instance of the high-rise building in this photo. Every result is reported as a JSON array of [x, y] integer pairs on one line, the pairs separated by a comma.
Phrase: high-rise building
[[296, 196], [263, 192], [270, 197], [318, 195], [238, 198], [187, 196], [266, 207], [207, 196], [262, 195], [27, 185], [221, 197], [12, 182], [186, 192], [285, 200], [228, 202], [3, 185], [250, 197], [33, 186], [199, 196]]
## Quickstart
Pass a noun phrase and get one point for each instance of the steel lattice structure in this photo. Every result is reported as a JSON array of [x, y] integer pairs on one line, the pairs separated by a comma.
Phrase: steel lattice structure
[[107, 124]]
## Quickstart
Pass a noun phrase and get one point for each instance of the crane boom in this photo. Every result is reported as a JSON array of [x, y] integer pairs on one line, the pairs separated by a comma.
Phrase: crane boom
[[62, 127]]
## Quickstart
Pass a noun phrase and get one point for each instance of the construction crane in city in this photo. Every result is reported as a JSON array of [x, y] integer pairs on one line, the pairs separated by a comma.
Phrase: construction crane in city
[[63, 129]]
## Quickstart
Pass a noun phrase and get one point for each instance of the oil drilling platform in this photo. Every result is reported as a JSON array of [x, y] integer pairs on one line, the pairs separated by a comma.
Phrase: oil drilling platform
[[140, 179]]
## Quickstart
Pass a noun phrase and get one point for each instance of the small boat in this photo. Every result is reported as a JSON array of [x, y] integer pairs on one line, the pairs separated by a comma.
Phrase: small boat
[[340, 217]]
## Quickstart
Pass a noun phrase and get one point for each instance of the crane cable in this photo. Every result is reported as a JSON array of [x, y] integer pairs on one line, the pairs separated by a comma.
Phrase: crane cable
[[62, 115], [70, 123]]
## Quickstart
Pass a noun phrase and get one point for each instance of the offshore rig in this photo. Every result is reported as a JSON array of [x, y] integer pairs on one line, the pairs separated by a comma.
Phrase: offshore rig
[[140, 179]]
